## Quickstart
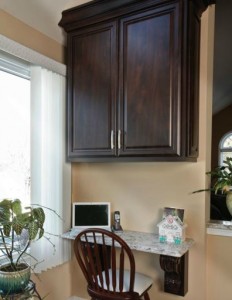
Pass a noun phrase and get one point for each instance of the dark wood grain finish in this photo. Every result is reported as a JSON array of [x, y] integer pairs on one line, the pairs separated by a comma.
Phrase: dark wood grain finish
[[133, 69], [176, 274], [150, 65], [92, 100], [193, 78]]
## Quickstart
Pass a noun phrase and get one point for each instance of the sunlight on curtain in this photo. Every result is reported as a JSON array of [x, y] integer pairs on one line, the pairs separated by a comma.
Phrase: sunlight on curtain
[[50, 174]]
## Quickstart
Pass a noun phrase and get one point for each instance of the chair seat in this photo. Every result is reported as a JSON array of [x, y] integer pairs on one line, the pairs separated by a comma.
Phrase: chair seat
[[142, 282]]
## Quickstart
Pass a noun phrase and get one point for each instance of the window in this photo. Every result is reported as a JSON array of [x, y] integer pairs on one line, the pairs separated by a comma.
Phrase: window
[[14, 129], [50, 174], [225, 147]]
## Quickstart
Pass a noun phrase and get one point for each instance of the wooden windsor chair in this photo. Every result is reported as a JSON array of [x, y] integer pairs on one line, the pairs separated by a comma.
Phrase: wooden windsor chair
[[102, 257]]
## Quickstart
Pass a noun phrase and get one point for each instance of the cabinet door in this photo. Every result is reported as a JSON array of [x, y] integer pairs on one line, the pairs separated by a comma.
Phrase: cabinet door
[[92, 87], [150, 74]]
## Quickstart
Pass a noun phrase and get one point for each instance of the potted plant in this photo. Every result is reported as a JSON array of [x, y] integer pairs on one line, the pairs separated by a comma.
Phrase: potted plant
[[17, 229], [222, 181]]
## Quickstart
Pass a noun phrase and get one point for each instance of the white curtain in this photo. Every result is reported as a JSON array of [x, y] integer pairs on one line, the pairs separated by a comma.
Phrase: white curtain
[[50, 174]]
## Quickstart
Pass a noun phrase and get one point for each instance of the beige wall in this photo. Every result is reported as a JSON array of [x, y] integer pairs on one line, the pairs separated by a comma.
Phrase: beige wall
[[55, 284], [27, 36], [219, 267], [141, 190]]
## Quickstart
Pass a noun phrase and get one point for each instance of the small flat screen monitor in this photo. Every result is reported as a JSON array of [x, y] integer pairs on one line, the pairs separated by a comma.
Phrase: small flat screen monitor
[[91, 215]]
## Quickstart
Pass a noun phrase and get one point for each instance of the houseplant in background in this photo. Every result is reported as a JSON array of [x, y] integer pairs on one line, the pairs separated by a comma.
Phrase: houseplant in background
[[17, 229], [221, 181]]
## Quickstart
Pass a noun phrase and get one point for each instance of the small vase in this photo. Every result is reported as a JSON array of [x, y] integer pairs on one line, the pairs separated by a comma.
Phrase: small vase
[[229, 202]]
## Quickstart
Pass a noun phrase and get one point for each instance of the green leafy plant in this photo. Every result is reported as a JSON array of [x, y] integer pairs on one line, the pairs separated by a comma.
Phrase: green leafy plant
[[221, 178], [14, 224]]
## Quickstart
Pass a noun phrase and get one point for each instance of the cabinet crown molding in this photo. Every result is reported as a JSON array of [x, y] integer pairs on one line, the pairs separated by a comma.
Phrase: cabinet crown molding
[[101, 10]]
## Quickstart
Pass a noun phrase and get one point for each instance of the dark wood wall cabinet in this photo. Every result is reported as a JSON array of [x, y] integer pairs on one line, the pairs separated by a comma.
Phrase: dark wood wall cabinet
[[133, 76]]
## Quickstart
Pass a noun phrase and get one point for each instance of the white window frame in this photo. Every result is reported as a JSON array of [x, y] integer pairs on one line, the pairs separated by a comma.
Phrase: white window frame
[[9, 46], [223, 149]]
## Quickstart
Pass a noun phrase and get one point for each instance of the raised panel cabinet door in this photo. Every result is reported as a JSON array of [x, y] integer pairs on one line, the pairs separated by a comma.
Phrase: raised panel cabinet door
[[150, 76], [92, 92]]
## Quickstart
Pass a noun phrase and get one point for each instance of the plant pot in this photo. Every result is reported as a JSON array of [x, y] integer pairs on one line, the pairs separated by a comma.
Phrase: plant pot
[[229, 202], [13, 282]]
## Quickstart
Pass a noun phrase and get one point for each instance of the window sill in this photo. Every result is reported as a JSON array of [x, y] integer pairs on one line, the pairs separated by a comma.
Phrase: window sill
[[221, 228]]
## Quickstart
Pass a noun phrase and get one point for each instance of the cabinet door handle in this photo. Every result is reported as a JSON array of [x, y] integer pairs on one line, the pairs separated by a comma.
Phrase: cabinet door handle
[[112, 139], [119, 139]]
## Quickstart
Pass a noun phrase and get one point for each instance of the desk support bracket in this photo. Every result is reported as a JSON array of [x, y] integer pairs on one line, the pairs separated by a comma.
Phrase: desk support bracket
[[175, 274]]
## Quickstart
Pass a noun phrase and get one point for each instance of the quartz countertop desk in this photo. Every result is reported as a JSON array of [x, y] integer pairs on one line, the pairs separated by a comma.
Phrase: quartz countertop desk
[[148, 242]]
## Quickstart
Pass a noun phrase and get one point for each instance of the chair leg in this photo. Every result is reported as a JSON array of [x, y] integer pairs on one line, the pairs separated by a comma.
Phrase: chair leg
[[146, 296]]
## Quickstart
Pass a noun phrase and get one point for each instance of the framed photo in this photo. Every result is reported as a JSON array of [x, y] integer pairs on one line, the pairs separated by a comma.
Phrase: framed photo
[[176, 212]]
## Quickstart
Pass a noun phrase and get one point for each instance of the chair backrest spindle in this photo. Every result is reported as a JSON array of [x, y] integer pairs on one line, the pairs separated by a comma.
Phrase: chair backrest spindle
[[121, 270]]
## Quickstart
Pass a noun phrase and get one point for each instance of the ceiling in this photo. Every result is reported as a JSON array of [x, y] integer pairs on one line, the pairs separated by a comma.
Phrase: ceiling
[[44, 15]]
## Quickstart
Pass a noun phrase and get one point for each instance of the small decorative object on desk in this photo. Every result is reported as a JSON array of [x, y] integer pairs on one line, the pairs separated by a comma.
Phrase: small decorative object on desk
[[172, 227], [117, 222]]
